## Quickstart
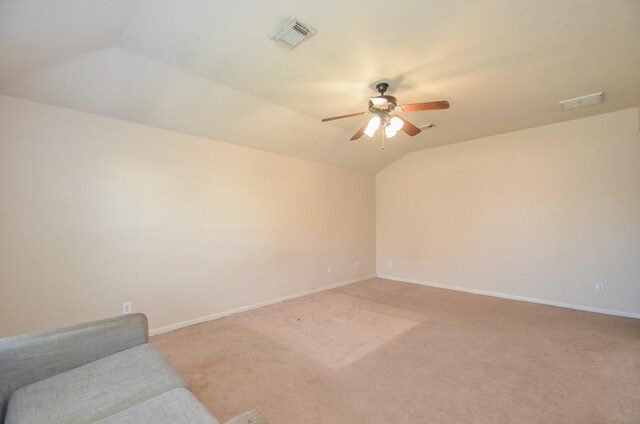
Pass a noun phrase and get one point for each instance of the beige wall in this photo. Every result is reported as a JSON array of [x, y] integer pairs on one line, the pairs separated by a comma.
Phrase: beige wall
[[97, 211], [544, 213]]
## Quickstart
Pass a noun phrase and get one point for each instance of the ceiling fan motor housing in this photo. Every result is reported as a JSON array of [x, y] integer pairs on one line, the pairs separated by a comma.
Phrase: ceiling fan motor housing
[[382, 103]]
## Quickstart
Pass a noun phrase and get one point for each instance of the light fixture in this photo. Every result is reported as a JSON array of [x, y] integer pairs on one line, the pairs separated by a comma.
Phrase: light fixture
[[391, 125], [380, 102], [389, 131], [396, 123], [374, 124]]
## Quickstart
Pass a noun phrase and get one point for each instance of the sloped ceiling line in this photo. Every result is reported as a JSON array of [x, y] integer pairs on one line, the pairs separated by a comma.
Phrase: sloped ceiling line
[[209, 68]]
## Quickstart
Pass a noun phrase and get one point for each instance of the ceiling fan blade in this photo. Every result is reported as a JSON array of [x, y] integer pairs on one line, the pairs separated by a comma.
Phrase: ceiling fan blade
[[409, 128], [344, 116], [360, 132], [415, 107]]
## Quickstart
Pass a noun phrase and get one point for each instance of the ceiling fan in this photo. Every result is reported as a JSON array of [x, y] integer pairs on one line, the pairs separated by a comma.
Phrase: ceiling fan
[[382, 107]]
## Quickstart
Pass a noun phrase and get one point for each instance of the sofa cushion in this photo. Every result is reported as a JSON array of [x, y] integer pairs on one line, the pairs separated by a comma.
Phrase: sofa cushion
[[96, 390], [32, 357], [177, 406]]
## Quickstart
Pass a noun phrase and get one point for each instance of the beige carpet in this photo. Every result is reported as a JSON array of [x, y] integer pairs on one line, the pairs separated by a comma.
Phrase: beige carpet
[[388, 352]]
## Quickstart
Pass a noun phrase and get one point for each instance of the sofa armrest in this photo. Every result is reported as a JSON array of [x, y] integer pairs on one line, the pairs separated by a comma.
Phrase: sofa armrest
[[32, 357], [249, 417]]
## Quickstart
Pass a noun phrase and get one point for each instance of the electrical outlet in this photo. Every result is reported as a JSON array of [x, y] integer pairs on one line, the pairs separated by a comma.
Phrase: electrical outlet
[[329, 269], [126, 308], [389, 262], [600, 287], [356, 264]]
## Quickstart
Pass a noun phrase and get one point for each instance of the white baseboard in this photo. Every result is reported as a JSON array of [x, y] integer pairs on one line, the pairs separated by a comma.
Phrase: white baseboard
[[514, 297], [171, 327]]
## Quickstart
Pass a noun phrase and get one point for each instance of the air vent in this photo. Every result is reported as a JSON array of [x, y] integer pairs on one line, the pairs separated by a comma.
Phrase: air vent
[[293, 33], [590, 100]]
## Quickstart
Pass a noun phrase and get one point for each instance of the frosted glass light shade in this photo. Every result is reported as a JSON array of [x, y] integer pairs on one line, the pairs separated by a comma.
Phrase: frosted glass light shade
[[374, 124], [389, 131], [396, 123]]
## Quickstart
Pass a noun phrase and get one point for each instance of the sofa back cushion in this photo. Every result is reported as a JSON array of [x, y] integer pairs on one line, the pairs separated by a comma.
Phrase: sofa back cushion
[[96, 390], [32, 357]]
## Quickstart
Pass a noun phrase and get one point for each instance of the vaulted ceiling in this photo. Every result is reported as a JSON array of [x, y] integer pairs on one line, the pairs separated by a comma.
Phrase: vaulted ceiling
[[209, 68]]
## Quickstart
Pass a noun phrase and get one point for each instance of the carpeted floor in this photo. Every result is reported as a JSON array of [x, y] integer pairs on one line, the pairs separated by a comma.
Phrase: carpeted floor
[[387, 352]]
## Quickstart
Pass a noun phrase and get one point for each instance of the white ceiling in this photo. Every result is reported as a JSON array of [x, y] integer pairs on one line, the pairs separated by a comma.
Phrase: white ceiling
[[209, 68]]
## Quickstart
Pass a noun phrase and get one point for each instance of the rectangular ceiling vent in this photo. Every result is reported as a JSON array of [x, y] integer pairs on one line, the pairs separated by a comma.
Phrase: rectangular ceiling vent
[[293, 33], [590, 100]]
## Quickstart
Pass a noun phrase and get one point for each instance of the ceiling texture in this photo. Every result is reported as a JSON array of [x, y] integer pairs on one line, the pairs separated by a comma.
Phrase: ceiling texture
[[209, 67]]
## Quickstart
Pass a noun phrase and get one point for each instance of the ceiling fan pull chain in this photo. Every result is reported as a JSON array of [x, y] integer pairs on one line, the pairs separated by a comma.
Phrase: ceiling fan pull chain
[[382, 136]]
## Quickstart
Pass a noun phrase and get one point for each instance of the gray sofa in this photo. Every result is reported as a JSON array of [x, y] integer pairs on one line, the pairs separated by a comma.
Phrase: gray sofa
[[102, 372]]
